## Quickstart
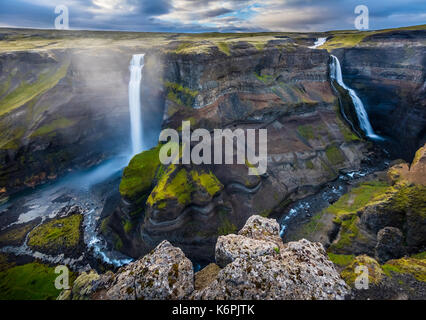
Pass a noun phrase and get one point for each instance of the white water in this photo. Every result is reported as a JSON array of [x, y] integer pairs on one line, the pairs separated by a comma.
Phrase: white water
[[318, 43], [136, 66], [364, 122]]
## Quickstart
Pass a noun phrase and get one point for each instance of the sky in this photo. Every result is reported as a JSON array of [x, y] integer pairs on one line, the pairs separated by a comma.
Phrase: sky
[[212, 15]]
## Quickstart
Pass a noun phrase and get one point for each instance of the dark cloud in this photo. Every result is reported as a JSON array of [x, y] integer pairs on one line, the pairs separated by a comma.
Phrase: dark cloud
[[156, 7], [212, 15]]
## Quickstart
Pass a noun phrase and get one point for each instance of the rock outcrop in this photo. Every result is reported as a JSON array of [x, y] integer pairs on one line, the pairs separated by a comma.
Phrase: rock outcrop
[[297, 270], [390, 244]]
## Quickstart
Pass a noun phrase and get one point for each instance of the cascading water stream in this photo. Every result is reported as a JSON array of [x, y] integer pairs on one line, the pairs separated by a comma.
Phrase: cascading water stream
[[318, 43], [364, 122], [136, 66]]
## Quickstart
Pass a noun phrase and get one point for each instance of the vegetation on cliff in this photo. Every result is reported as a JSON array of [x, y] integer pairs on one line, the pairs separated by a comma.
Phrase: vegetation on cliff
[[179, 184], [31, 281], [139, 175], [61, 235], [27, 91], [180, 95]]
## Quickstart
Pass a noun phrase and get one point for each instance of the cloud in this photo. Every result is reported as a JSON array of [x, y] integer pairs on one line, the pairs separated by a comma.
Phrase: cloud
[[212, 15]]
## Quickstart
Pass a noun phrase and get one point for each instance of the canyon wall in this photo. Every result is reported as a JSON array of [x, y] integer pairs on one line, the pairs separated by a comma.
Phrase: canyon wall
[[60, 109], [387, 70], [283, 88]]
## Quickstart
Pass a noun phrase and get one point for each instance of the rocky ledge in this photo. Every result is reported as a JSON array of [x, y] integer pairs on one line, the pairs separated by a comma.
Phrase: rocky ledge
[[254, 264]]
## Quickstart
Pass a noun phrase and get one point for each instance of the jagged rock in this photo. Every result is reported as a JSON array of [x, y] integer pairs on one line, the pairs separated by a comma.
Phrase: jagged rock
[[165, 273], [258, 269], [298, 270], [389, 244], [86, 285], [206, 276], [232, 247], [261, 228]]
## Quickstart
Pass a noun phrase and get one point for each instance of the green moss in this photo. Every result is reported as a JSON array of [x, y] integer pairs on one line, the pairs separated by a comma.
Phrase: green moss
[[182, 48], [345, 40], [104, 226], [127, 226], [177, 183], [418, 156], [375, 273], [349, 232], [118, 245], [420, 256], [358, 198], [266, 79], [5, 262], [306, 132], [309, 165], [409, 198], [10, 139], [265, 213], [334, 155], [208, 181], [341, 260], [57, 234], [310, 229], [224, 47], [174, 184], [348, 135], [139, 175], [55, 125], [27, 91], [415, 267], [226, 227], [33, 281], [260, 46], [180, 95]]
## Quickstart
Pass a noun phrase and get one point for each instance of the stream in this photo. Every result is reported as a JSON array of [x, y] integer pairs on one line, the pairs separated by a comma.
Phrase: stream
[[87, 189]]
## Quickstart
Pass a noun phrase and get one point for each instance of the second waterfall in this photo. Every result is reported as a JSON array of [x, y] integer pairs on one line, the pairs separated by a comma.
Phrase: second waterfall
[[364, 122], [136, 66]]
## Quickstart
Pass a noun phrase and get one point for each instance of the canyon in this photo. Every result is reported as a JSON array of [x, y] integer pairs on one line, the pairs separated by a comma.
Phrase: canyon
[[64, 109]]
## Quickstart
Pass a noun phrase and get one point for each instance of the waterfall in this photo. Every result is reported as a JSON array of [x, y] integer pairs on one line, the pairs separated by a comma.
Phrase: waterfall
[[136, 66], [318, 43], [364, 122]]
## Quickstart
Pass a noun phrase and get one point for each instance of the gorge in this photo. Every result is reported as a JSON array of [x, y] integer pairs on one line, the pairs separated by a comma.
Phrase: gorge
[[66, 172]]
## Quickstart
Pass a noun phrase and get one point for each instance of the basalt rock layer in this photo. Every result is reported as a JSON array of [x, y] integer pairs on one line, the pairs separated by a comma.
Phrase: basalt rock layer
[[387, 69], [57, 112], [283, 88]]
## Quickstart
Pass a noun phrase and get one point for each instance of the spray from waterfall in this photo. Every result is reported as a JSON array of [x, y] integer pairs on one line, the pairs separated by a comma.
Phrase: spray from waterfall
[[136, 66], [364, 122]]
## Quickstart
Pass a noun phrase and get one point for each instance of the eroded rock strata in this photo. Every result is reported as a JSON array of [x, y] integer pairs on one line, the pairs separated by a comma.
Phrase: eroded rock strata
[[285, 89]]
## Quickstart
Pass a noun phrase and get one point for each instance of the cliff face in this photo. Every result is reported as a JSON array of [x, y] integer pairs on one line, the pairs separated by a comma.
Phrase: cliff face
[[387, 70], [59, 110], [283, 88]]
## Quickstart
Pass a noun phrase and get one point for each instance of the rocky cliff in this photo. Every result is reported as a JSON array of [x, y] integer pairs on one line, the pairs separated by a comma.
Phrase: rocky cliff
[[267, 269], [387, 69], [57, 112], [284, 88]]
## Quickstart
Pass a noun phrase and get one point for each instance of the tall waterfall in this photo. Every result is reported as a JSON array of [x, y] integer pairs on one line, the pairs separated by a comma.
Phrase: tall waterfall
[[364, 122], [136, 66]]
